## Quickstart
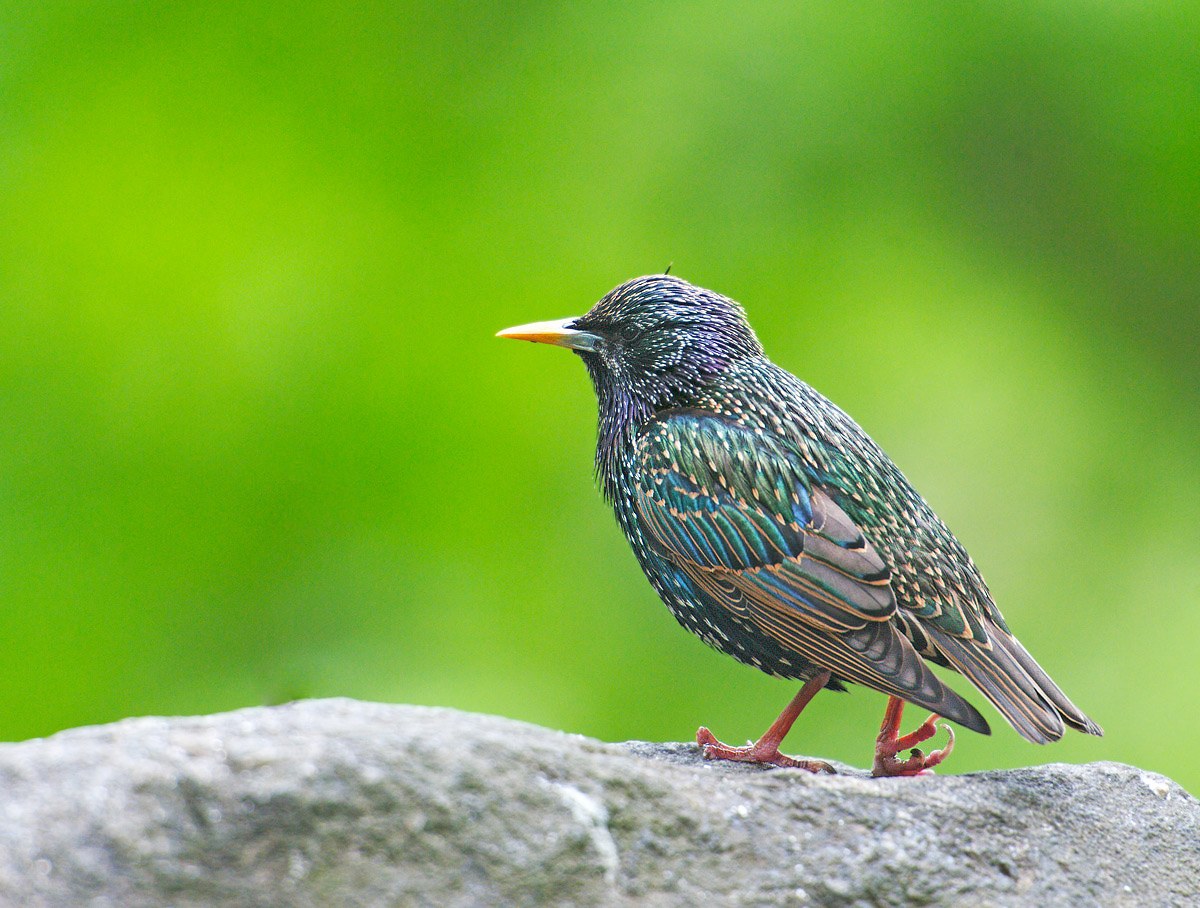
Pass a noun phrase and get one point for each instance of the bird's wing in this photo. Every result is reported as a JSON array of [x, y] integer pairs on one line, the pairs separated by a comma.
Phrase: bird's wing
[[721, 498], [732, 509]]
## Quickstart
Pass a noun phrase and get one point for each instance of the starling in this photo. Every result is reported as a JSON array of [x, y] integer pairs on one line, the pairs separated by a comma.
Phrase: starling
[[779, 533]]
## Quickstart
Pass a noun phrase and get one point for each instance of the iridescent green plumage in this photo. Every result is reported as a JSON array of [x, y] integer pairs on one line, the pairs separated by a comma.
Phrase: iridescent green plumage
[[775, 529]]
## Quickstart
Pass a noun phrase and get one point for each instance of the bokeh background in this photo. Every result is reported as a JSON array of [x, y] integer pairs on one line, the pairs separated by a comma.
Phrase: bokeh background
[[257, 441]]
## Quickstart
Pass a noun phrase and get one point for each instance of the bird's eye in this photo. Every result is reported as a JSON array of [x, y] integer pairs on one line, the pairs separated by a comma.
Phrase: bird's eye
[[630, 333]]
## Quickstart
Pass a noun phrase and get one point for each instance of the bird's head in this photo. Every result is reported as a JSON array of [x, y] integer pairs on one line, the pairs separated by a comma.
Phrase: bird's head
[[652, 342]]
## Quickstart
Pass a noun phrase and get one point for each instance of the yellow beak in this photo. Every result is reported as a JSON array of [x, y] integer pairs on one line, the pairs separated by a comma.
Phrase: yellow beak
[[554, 332]]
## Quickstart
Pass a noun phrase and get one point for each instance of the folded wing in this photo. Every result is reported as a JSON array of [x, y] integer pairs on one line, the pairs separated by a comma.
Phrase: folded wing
[[733, 509]]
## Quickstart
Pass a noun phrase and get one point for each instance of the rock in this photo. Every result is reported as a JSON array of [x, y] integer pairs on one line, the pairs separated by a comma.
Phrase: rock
[[337, 802]]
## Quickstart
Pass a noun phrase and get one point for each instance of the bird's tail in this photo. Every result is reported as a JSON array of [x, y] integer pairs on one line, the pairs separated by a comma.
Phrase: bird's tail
[[1017, 686]]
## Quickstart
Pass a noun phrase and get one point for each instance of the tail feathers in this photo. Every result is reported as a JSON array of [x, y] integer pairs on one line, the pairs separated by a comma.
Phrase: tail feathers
[[1015, 684], [1071, 714]]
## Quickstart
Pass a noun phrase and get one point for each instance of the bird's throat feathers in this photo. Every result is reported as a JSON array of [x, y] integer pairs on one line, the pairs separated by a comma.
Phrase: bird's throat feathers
[[621, 414]]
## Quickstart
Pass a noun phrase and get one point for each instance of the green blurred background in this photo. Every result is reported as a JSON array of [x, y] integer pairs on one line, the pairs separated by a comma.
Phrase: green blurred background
[[259, 443]]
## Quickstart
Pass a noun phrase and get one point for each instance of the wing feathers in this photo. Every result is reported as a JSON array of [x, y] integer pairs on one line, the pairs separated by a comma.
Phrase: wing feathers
[[875, 656], [736, 513]]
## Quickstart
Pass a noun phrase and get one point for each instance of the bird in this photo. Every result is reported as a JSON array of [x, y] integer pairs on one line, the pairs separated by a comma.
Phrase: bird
[[778, 532]]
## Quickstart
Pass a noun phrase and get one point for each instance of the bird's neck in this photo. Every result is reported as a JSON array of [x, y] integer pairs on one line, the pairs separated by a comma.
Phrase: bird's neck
[[620, 418], [627, 406]]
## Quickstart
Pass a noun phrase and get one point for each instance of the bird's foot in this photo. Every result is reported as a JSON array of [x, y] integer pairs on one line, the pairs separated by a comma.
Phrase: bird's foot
[[888, 744], [762, 752]]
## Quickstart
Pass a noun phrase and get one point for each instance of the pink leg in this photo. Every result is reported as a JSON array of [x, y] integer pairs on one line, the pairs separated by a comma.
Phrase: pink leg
[[890, 742], [766, 749]]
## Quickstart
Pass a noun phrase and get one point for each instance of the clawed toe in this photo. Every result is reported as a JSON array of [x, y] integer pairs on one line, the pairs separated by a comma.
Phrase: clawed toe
[[766, 749], [890, 742], [917, 763], [761, 752]]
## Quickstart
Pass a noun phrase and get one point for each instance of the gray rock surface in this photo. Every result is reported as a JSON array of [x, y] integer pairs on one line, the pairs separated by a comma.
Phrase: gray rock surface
[[338, 803]]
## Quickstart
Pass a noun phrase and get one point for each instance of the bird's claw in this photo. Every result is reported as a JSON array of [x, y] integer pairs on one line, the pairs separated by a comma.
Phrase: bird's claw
[[712, 749], [917, 763]]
